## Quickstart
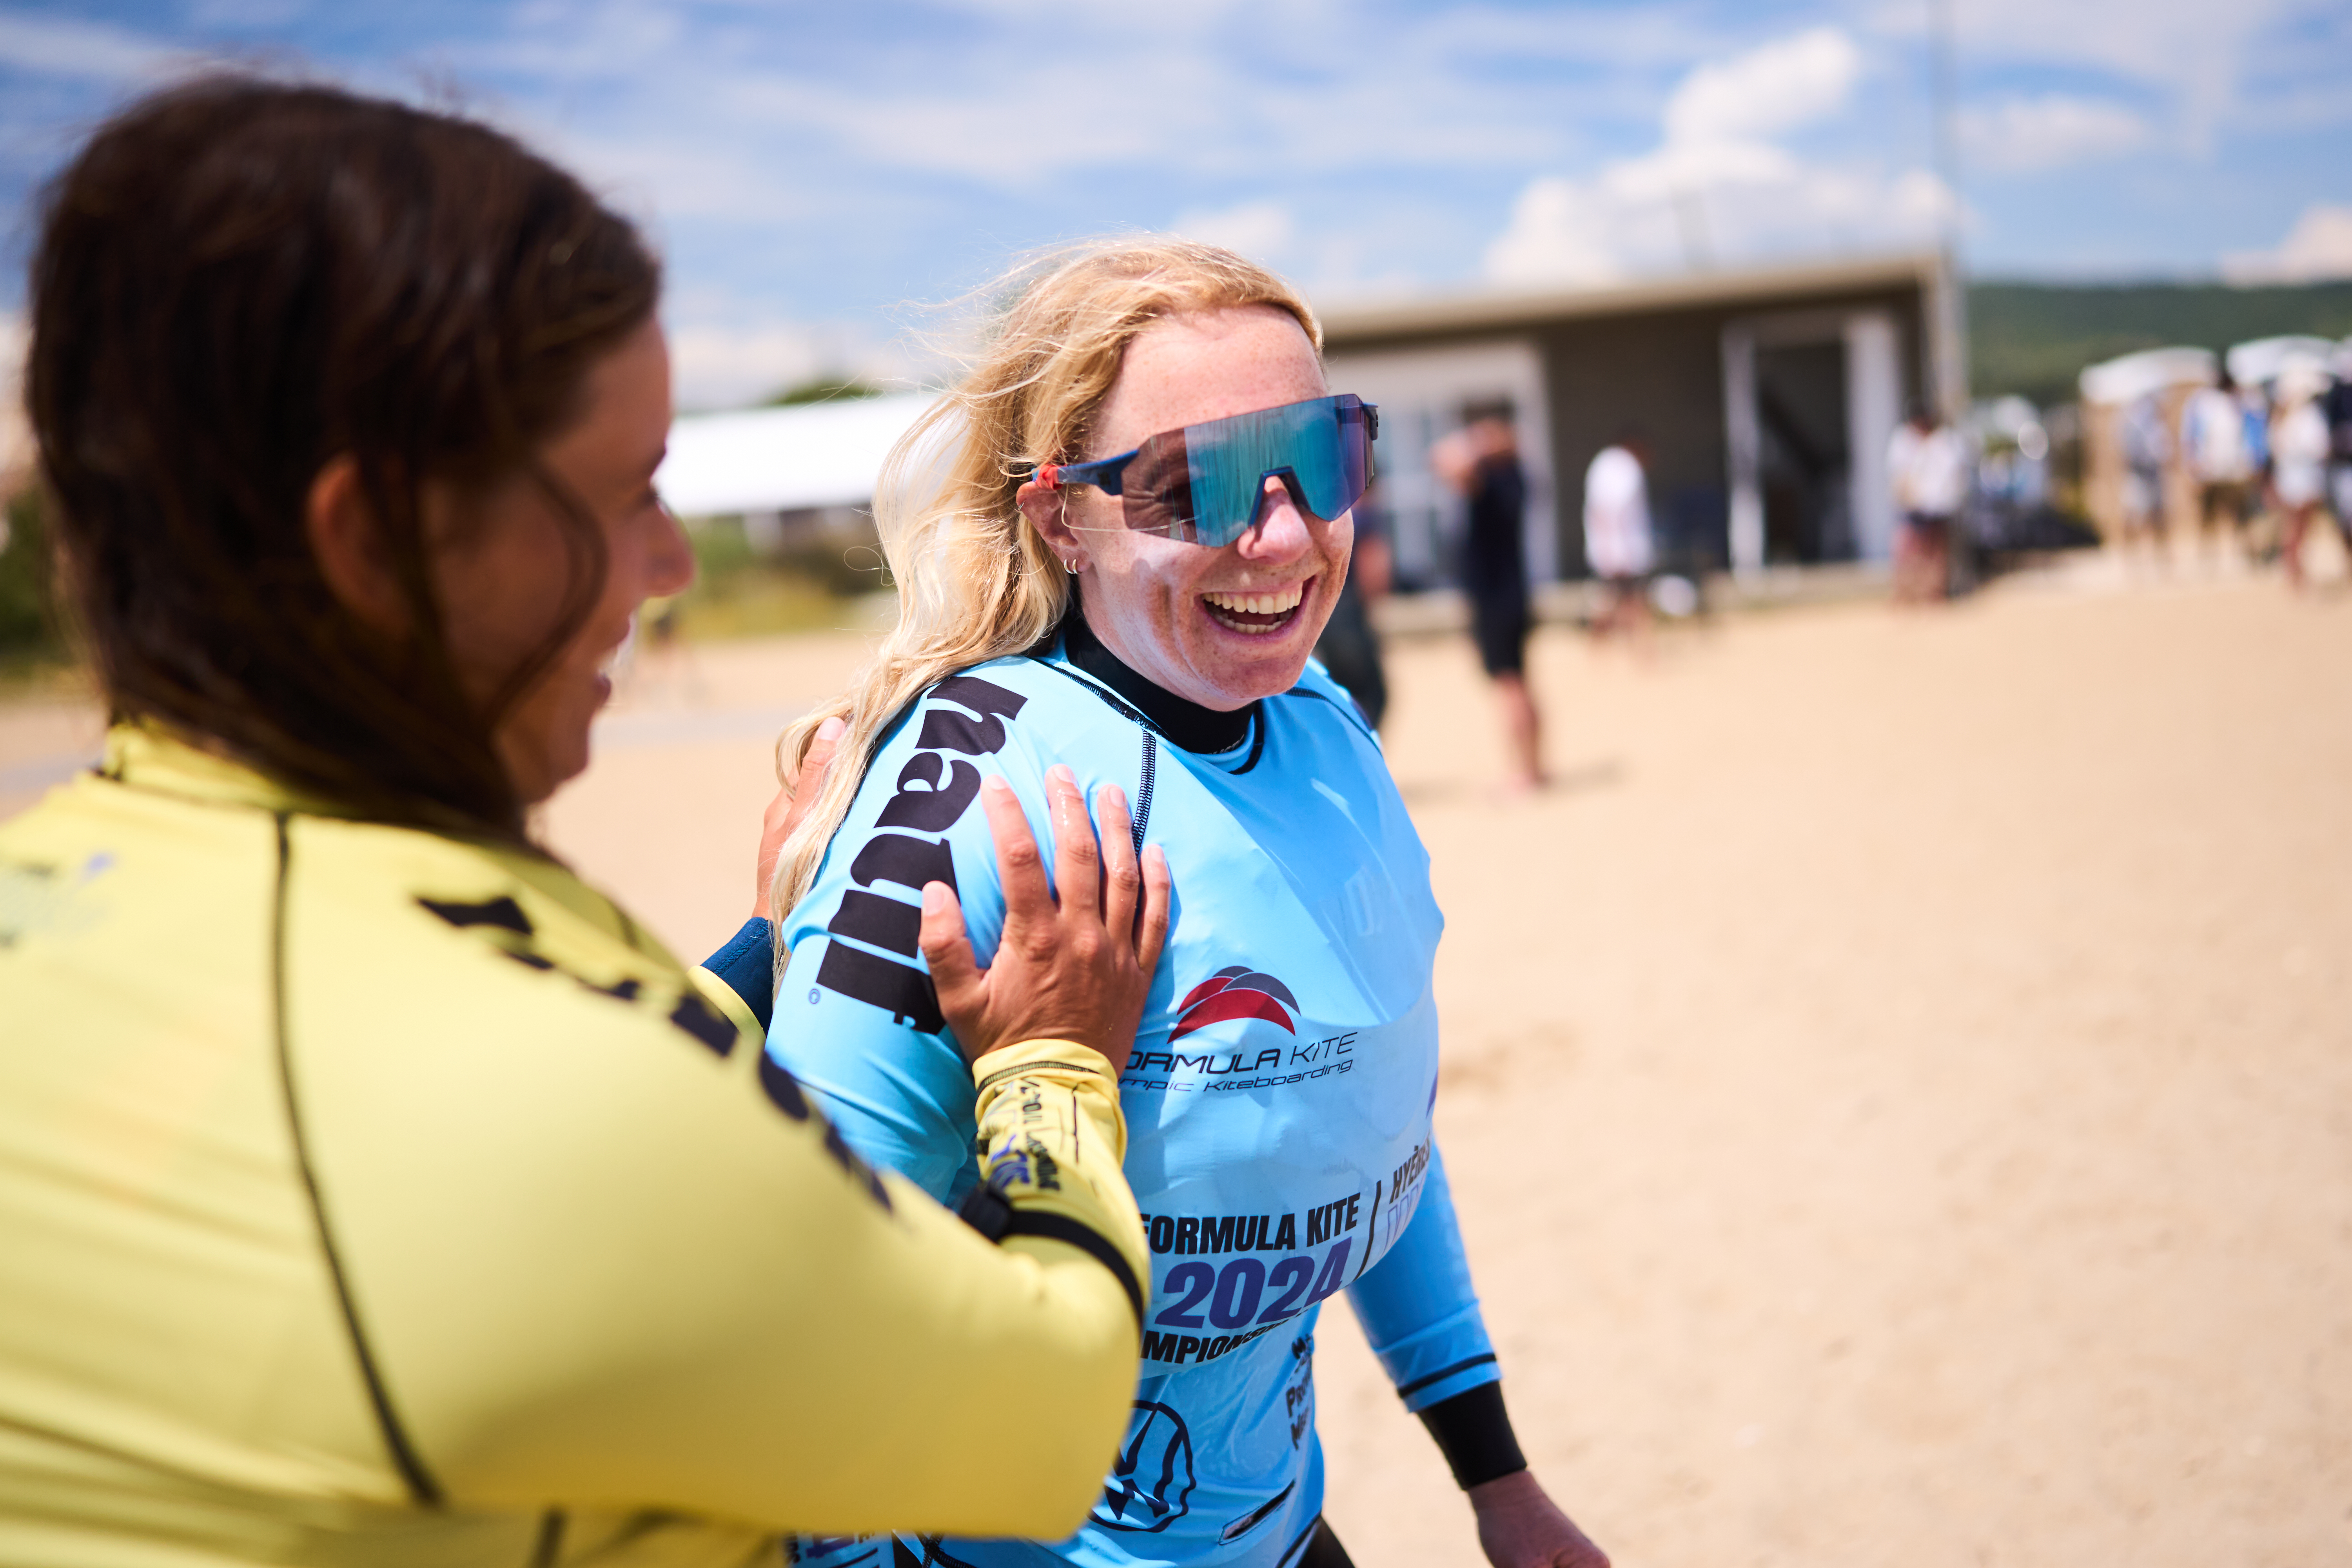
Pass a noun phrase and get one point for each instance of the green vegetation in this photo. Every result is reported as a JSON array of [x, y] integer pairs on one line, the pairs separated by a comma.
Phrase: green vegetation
[[33, 650], [2033, 339], [825, 389], [740, 590]]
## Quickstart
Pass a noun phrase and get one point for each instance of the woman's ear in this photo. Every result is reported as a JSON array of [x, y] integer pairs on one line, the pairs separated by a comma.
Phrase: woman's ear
[[1044, 508], [348, 544]]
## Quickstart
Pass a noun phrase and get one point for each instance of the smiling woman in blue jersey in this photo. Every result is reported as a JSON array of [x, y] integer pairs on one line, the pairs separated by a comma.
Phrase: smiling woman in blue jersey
[[1116, 543]]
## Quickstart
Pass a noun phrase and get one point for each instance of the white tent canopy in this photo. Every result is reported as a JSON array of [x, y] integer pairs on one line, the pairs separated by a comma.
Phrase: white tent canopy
[[2134, 376], [784, 459], [2259, 363]]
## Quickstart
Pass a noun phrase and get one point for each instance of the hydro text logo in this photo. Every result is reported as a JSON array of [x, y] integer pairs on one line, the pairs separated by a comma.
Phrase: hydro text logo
[[1236, 990]]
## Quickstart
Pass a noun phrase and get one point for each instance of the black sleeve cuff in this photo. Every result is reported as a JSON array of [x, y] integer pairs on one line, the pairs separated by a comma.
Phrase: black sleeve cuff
[[748, 964], [1474, 1432]]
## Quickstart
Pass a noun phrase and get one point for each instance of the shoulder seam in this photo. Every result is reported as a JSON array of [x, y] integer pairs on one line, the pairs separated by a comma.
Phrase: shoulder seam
[[1351, 714], [420, 1482], [1128, 712], [1111, 699]]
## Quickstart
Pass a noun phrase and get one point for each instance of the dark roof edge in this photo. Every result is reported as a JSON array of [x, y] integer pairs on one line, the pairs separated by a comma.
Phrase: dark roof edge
[[1520, 308]]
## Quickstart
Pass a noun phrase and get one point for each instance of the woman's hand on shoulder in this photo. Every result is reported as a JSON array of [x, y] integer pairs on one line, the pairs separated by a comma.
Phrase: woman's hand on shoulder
[[1520, 1527], [1072, 969]]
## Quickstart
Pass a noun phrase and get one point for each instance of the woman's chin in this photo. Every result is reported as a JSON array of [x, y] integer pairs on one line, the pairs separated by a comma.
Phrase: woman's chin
[[1245, 664]]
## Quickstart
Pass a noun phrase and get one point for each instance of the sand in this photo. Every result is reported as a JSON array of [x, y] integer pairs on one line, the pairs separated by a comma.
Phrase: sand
[[1898, 1085]]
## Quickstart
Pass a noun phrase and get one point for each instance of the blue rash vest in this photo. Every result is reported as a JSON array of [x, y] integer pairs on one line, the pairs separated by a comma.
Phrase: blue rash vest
[[1278, 1100]]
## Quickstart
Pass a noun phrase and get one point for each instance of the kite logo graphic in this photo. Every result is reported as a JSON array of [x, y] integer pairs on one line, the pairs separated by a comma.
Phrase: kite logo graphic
[[1236, 990]]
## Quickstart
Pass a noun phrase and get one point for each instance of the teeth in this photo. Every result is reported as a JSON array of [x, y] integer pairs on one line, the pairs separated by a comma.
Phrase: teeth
[[1271, 603]]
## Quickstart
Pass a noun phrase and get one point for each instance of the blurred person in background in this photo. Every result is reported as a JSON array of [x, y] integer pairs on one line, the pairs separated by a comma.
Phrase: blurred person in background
[[1349, 646], [1617, 537], [2299, 447], [2337, 405], [1927, 464], [372, 1190], [1117, 539], [1481, 462], [2215, 442], [2147, 450]]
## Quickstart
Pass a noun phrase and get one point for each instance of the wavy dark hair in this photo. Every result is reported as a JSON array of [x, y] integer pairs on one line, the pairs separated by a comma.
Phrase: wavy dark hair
[[240, 280]]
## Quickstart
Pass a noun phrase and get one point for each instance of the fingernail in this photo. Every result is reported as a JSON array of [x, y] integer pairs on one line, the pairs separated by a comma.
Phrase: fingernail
[[833, 729], [935, 898], [1061, 770], [996, 782]]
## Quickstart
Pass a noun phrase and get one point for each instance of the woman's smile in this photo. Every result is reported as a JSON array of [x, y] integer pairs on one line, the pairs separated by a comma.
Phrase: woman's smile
[[1257, 613]]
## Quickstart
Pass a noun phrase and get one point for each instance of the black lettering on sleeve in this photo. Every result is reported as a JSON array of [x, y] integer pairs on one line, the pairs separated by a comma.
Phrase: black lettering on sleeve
[[909, 862], [884, 923], [945, 731], [984, 698], [906, 994], [932, 794]]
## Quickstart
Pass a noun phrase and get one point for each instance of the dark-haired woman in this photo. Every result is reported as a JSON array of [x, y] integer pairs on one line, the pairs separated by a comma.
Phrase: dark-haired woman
[[372, 1190]]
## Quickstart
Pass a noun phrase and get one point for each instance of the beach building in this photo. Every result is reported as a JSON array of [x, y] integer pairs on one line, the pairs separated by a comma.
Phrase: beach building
[[1767, 396]]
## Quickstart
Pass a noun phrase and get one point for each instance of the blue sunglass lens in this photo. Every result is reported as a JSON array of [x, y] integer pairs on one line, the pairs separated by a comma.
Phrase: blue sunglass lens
[[1322, 446]]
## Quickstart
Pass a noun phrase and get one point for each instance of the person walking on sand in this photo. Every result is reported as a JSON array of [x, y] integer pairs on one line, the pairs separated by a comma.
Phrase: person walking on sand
[[2215, 445], [2298, 459], [1481, 462], [1349, 646], [1617, 543], [1930, 470], [2148, 447], [2336, 405]]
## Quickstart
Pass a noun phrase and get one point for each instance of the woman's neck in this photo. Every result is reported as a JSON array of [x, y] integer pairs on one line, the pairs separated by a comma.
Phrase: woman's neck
[[1181, 720]]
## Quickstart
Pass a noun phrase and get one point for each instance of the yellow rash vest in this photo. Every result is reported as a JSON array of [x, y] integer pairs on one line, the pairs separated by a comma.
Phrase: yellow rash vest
[[369, 1196]]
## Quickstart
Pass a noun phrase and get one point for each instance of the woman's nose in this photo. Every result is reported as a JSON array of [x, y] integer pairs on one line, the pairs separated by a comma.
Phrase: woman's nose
[[669, 559], [1281, 531]]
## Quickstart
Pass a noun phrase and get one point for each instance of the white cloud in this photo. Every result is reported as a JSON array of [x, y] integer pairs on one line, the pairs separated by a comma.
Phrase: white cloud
[[1561, 231], [2195, 51], [2319, 247], [91, 51], [1765, 91], [1716, 188], [719, 361], [2020, 134], [1263, 231]]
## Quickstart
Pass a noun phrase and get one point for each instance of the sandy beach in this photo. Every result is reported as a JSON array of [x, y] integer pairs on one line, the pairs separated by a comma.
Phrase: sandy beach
[[1899, 1083]]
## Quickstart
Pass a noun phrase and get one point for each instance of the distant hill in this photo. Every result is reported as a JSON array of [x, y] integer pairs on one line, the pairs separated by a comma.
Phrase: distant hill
[[2032, 339]]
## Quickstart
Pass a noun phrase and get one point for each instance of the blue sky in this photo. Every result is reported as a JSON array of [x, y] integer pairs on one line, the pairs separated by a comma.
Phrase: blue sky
[[815, 172]]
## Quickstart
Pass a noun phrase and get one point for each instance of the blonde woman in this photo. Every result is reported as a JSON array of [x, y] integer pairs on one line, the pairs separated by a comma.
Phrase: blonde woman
[[1136, 523]]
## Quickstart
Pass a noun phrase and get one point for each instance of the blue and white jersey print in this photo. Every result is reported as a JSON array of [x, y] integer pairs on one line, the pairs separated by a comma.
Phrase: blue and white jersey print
[[1277, 1102]]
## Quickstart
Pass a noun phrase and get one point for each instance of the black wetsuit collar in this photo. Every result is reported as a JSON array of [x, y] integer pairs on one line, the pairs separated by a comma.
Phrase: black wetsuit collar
[[1186, 722]]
